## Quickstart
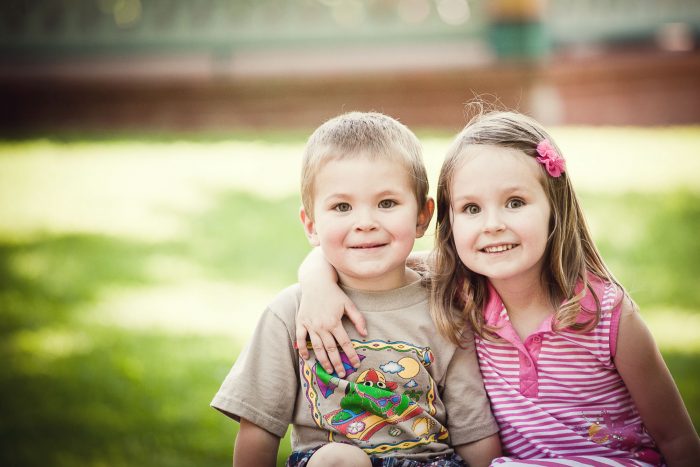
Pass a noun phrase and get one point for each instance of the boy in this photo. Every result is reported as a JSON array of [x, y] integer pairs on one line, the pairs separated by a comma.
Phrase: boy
[[414, 394]]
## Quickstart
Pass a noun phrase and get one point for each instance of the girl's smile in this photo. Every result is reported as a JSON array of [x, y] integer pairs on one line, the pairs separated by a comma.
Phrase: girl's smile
[[500, 214], [498, 248]]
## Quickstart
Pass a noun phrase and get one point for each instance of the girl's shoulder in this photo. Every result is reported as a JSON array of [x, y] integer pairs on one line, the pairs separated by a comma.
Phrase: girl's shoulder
[[602, 295]]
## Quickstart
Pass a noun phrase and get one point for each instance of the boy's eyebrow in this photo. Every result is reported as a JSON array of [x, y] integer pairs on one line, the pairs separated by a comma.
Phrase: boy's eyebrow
[[388, 192], [336, 195]]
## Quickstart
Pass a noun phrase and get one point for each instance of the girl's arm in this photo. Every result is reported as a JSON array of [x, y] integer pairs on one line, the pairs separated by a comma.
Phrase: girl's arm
[[323, 304], [653, 390], [255, 446], [480, 453]]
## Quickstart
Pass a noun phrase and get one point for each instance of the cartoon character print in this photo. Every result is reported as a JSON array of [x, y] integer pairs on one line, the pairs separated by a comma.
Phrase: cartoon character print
[[374, 378], [365, 409], [372, 401]]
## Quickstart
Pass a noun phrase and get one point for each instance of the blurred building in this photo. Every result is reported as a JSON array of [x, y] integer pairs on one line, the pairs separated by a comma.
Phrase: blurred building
[[226, 64]]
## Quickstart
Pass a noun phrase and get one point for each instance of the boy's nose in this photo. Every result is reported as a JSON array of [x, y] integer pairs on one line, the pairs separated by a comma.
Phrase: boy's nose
[[365, 220]]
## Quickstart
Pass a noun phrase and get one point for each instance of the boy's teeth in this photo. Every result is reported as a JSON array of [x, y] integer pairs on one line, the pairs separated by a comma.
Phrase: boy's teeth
[[498, 249]]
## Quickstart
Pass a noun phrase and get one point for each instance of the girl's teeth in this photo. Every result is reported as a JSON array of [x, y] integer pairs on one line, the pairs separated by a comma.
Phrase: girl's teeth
[[498, 249]]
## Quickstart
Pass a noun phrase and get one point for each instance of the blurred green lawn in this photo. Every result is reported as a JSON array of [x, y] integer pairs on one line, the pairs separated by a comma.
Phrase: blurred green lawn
[[132, 271]]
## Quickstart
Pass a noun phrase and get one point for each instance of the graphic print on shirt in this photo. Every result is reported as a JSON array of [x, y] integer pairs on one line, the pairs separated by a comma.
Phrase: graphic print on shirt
[[617, 434], [613, 432], [392, 396]]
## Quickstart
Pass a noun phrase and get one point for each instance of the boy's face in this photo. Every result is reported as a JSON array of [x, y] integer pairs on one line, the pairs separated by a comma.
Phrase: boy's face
[[366, 220]]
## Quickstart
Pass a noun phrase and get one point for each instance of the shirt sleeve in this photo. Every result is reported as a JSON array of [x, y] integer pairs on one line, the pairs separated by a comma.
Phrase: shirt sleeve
[[261, 386], [469, 416]]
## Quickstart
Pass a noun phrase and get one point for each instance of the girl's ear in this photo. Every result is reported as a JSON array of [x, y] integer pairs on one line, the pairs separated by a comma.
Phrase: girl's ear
[[309, 227], [424, 217]]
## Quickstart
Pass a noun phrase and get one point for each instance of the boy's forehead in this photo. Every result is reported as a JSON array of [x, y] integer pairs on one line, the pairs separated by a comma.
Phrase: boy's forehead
[[362, 161], [362, 168]]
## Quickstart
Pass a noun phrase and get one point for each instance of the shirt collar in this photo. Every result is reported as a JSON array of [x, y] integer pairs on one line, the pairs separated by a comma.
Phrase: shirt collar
[[495, 313]]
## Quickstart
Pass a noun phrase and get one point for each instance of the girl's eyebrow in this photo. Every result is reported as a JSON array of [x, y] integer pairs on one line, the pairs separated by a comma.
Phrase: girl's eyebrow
[[515, 189]]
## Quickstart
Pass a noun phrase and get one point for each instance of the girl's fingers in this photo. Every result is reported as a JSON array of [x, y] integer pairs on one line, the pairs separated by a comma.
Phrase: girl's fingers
[[357, 319], [345, 343], [331, 348], [301, 334], [320, 353]]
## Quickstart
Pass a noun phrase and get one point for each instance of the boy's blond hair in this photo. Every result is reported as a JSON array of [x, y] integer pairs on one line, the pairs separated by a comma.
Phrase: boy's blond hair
[[367, 134]]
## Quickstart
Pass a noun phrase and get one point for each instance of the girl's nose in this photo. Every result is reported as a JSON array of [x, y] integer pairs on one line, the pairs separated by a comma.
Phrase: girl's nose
[[494, 223]]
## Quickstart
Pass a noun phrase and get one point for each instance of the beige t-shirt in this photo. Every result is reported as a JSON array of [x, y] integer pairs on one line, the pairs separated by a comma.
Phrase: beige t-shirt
[[414, 395]]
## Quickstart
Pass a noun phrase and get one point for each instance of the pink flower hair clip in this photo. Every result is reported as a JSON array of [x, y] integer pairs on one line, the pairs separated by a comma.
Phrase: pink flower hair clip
[[550, 158]]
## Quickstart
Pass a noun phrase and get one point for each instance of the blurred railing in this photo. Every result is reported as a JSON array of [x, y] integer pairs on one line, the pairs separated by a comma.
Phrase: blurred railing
[[596, 21], [83, 27], [221, 26]]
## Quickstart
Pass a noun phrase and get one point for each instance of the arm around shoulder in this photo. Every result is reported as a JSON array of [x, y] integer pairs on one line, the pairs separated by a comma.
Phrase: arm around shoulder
[[255, 446], [323, 304], [653, 390]]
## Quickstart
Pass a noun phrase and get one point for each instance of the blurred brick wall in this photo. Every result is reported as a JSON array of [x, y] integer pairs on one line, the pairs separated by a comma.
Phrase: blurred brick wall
[[620, 88]]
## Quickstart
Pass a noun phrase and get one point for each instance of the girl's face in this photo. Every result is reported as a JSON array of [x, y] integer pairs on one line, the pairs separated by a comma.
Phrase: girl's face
[[500, 214]]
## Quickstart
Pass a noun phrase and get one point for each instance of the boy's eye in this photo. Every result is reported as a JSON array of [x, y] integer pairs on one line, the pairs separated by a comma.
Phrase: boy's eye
[[342, 207], [515, 203], [387, 203], [471, 209]]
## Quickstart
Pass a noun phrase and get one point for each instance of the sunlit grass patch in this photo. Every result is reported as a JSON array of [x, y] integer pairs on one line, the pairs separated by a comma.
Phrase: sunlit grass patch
[[133, 189], [193, 307]]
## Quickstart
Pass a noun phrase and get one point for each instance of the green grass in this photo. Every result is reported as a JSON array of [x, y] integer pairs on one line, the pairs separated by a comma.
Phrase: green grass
[[133, 270]]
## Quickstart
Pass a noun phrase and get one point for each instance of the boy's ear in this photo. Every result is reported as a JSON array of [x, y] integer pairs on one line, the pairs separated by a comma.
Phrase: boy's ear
[[424, 217], [309, 227]]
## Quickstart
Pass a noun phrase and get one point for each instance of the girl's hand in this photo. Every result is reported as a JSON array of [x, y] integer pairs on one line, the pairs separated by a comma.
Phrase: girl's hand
[[323, 304], [320, 313]]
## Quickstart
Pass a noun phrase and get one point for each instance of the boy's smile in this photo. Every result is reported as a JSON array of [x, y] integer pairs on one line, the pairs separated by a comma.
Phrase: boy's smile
[[366, 220]]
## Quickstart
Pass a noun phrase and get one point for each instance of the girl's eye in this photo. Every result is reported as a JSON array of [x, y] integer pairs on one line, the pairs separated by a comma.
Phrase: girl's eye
[[342, 207], [387, 203], [515, 203], [471, 209]]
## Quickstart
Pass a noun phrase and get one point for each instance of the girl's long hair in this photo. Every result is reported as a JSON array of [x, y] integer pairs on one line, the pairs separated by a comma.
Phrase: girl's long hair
[[458, 295]]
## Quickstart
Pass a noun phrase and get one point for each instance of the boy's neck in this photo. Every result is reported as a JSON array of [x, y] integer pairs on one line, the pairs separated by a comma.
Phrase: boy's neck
[[392, 281]]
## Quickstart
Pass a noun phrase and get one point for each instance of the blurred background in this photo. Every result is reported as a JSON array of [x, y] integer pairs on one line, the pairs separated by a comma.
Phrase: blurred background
[[149, 159]]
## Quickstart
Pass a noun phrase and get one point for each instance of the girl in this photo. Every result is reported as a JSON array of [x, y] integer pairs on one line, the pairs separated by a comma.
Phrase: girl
[[571, 370]]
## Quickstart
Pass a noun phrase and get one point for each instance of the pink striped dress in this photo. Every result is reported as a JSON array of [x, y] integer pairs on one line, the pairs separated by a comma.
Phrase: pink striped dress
[[558, 396]]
